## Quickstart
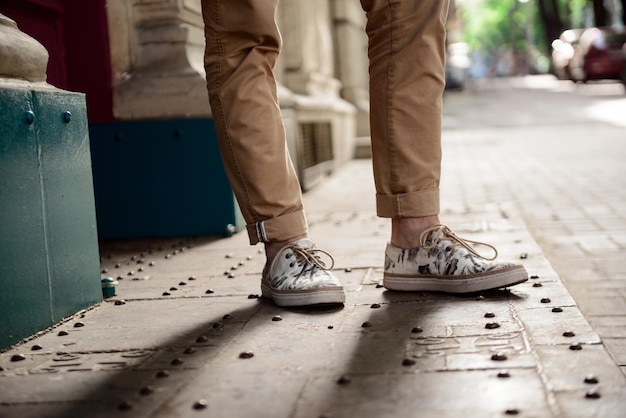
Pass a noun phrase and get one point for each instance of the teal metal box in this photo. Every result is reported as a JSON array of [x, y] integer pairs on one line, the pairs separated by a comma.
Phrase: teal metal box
[[49, 261], [160, 178]]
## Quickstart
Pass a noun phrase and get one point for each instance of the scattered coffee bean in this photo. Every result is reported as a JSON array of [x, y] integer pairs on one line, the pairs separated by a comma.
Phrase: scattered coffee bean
[[200, 404], [592, 394], [147, 390], [343, 380], [125, 406]]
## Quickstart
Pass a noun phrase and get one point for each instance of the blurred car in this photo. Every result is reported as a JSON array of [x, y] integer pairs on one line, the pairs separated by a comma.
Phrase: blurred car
[[457, 65], [599, 55], [563, 52]]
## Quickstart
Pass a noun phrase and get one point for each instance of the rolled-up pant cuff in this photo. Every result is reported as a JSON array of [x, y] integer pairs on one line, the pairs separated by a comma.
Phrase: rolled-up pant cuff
[[408, 205], [280, 228]]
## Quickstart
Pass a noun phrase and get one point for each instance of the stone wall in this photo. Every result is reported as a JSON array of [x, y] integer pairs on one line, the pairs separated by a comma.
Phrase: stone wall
[[157, 59]]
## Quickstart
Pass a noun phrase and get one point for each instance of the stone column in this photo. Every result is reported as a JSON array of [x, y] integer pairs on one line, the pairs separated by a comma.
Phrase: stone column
[[325, 122], [157, 49], [351, 59], [308, 50], [23, 58]]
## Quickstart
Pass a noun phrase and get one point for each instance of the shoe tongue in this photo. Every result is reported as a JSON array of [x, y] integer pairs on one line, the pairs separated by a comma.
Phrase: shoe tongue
[[305, 243], [436, 235]]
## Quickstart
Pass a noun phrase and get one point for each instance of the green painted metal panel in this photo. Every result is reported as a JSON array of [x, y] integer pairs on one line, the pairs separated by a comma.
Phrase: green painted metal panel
[[69, 202], [49, 263], [159, 178], [25, 297]]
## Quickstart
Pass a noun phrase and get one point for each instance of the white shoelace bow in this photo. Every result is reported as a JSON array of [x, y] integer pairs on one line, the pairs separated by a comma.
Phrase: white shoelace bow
[[310, 255], [442, 232]]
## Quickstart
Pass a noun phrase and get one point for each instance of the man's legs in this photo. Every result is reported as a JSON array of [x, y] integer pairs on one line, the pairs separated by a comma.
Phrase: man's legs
[[407, 57], [242, 44]]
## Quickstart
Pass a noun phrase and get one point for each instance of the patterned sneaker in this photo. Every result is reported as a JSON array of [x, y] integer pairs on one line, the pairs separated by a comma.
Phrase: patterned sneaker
[[445, 262], [298, 277]]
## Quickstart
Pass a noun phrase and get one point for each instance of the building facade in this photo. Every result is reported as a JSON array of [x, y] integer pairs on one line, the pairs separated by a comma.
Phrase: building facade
[[156, 166]]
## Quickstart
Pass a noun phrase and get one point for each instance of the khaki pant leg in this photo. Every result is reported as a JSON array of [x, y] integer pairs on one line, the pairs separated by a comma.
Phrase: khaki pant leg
[[407, 54], [242, 45]]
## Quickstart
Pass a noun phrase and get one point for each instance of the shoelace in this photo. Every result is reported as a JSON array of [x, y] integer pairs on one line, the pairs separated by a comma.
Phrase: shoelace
[[310, 255], [442, 232]]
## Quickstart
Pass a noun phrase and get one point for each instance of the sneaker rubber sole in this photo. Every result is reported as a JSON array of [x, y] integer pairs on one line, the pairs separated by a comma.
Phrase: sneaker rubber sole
[[322, 296], [497, 279]]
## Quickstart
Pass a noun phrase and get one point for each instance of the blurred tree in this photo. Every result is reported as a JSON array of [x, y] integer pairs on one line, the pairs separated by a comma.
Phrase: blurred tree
[[549, 12], [600, 13], [522, 31]]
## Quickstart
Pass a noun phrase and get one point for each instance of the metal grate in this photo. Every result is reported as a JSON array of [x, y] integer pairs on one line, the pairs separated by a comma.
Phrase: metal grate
[[315, 144], [315, 152]]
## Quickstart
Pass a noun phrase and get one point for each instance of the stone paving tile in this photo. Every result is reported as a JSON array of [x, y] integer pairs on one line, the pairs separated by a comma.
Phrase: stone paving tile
[[611, 326], [598, 301], [475, 393], [617, 346], [576, 370], [84, 394], [143, 325], [583, 403]]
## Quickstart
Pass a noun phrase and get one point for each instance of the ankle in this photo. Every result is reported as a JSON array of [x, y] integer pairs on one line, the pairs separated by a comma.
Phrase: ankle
[[272, 248], [405, 232]]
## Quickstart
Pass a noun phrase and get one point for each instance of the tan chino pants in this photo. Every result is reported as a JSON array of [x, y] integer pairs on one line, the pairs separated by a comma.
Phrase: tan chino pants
[[406, 52]]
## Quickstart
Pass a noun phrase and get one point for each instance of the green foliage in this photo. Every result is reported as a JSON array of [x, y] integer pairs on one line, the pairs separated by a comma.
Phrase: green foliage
[[495, 27], [492, 25], [573, 12]]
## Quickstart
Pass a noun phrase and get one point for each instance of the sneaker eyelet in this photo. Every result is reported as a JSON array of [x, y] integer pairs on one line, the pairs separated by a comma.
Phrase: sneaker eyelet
[[291, 264]]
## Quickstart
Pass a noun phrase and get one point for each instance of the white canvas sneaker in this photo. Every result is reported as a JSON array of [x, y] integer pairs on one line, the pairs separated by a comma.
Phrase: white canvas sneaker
[[445, 262], [298, 277]]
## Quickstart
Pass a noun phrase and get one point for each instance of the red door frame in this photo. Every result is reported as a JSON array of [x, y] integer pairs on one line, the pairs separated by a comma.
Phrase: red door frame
[[75, 33]]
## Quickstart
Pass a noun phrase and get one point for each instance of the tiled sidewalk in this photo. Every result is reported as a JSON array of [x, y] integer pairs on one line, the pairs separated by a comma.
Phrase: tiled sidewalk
[[171, 344], [554, 150]]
